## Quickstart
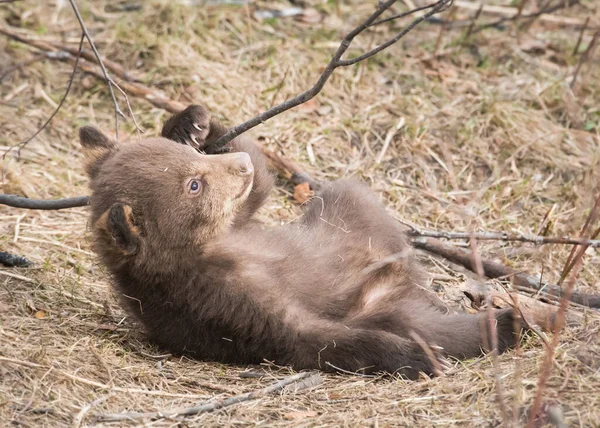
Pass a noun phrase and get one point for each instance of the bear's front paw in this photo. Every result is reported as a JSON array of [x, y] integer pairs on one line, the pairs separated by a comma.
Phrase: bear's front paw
[[190, 126]]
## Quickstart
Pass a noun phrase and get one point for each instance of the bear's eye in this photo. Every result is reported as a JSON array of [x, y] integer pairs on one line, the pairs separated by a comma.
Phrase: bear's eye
[[194, 186]]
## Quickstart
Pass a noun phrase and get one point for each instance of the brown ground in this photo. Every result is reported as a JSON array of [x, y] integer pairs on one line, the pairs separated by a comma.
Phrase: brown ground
[[494, 139]]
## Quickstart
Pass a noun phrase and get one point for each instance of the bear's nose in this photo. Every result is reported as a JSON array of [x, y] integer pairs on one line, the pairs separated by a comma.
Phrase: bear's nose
[[243, 164]]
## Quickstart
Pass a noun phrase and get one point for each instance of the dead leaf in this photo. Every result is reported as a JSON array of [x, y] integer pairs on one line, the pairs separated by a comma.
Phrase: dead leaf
[[40, 315], [299, 415], [302, 193]]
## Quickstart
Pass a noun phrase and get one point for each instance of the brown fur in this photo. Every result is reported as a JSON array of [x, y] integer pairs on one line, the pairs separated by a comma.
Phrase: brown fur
[[206, 280]]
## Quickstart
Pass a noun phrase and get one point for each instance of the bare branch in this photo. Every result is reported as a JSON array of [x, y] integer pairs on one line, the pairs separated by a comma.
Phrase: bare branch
[[403, 14], [497, 270], [107, 77], [580, 38], [502, 236], [520, 16], [585, 57], [56, 110], [334, 63], [209, 406], [42, 204]]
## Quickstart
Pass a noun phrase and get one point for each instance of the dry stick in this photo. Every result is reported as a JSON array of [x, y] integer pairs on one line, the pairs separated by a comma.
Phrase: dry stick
[[472, 24], [579, 39], [445, 26], [560, 322], [502, 236], [585, 56], [518, 15], [334, 63], [403, 14], [569, 262], [43, 204], [108, 79], [498, 270], [209, 406], [530, 21], [56, 110]]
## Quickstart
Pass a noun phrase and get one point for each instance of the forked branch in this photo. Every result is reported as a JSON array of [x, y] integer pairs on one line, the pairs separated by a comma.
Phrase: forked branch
[[107, 77], [337, 61]]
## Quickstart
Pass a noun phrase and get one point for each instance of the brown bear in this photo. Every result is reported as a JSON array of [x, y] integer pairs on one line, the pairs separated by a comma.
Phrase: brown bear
[[337, 289]]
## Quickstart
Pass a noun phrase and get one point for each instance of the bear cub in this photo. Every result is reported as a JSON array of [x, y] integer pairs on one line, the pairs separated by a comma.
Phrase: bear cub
[[337, 289]]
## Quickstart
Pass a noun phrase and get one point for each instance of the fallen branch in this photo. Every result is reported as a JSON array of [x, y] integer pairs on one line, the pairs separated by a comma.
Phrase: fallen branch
[[43, 204], [497, 270], [502, 236], [335, 62], [56, 110], [309, 379]]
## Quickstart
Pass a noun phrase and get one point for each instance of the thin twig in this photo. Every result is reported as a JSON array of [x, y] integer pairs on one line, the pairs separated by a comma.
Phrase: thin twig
[[403, 14], [22, 144], [503, 236], [334, 63], [579, 39], [209, 406], [520, 16], [472, 23], [570, 260], [585, 57], [341, 370], [107, 77]]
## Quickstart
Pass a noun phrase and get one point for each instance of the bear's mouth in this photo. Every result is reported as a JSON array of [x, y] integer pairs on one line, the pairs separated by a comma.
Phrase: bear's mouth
[[245, 187]]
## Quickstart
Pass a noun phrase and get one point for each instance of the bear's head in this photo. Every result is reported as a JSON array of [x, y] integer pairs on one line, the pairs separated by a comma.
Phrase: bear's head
[[155, 197]]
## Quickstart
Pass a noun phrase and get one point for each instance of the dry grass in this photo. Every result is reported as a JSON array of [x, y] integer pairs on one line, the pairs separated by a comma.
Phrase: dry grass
[[494, 139]]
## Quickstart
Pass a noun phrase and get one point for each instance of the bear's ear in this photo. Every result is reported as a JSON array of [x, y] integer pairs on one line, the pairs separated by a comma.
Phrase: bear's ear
[[96, 148], [119, 223]]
